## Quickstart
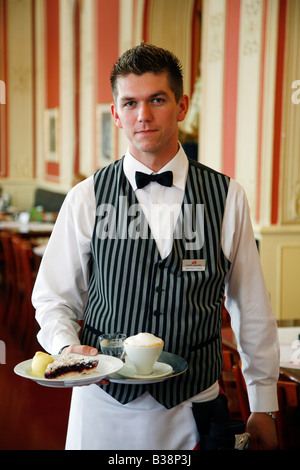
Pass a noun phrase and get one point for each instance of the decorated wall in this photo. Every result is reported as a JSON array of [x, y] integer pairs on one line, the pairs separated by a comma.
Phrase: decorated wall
[[242, 71]]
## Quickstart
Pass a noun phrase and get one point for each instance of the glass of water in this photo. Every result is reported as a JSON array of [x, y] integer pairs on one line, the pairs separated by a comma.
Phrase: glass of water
[[112, 344]]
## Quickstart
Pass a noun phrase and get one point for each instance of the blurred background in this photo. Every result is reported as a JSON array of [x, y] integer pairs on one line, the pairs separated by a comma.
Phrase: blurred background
[[241, 60], [242, 72]]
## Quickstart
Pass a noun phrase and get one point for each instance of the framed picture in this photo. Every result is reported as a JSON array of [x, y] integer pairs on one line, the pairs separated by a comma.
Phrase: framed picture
[[52, 135], [105, 135]]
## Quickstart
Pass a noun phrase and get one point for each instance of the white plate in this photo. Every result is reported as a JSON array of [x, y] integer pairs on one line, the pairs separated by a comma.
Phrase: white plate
[[177, 363], [160, 369], [107, 365]]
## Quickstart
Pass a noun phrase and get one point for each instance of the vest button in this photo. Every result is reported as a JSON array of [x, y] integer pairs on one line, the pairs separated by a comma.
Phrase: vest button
[[158, 289], [157, 313]]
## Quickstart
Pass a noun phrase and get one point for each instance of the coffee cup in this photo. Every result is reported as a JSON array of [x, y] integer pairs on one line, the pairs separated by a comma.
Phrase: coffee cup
[[142, 351]]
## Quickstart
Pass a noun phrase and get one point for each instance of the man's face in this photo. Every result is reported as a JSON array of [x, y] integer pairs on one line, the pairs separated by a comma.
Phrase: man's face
[[147, 111]]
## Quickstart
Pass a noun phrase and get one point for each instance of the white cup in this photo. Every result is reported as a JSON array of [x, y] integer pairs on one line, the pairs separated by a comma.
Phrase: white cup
[[24, 217], [296, 356], [143, 350]]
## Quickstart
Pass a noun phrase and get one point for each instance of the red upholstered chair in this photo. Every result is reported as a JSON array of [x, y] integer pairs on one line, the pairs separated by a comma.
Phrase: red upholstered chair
[[18, 321], [10, 282], [29, 275], [228, 384]]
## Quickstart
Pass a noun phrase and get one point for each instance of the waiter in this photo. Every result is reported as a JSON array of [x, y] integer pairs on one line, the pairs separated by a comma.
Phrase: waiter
[[119, 259]]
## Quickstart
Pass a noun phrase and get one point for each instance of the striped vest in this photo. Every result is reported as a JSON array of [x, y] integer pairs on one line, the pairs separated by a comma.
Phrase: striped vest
[[132, 289]]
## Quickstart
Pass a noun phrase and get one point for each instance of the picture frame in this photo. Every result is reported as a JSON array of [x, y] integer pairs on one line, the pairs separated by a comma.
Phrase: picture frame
[[52, 135], [105, 135]]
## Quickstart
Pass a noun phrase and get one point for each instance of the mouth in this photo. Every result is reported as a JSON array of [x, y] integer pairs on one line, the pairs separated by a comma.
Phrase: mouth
[[146, 132]]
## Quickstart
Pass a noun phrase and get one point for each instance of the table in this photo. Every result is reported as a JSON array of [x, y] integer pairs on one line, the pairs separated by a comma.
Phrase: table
[[27, 229], [287, 335], [40, 250]]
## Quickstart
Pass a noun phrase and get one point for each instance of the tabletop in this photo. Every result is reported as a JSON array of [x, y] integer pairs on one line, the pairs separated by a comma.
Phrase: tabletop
[[26, 228], [288, 337]]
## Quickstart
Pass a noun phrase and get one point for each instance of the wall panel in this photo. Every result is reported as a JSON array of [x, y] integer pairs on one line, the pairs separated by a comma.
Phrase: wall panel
[[212, 72], [230, 85], [246, 169], [290, 275], [280, 257], [20, 89], [52, 86], [170, 26], [290, 150], [3, 91]]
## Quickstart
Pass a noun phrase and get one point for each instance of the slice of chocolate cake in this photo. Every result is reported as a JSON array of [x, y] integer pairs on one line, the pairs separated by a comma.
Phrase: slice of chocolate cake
[[71, 365]]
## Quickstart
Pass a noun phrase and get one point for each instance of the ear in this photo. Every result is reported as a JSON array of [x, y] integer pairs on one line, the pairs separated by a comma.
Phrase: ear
[[115, 116], [183, 106]]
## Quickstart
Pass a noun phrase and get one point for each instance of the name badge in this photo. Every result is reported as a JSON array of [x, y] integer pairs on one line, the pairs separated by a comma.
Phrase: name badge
[[193, 265]]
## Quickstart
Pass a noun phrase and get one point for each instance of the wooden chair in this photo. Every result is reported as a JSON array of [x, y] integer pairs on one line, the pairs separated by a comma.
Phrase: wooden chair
[[19, 316], [10, 285], [2, 280], [2, 265], [226, 376], [18, 321], [241, 392], [29, 275], [228, 385], [287, 422]]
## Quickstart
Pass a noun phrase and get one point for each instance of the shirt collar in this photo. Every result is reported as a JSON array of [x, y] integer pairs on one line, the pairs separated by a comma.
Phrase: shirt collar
[[178, 165]]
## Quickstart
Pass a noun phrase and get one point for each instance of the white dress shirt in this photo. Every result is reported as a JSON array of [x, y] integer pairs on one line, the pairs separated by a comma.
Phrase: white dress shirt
[[60, 292], [161, 205]]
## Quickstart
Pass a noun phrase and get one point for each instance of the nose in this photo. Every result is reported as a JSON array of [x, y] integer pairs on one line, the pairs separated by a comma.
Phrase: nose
[[144, 112]]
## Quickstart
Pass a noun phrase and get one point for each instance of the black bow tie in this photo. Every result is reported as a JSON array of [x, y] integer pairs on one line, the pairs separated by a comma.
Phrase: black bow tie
[[142, 179]]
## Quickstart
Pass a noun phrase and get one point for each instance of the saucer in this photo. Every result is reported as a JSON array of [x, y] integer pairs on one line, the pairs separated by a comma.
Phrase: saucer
[[160, 369], [178, 365]]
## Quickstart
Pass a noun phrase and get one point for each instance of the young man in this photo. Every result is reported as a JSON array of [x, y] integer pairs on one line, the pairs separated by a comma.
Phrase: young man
[[131, 281]]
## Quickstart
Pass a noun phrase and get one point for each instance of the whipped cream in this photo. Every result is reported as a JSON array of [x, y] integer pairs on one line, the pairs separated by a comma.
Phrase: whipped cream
[[144, 340]]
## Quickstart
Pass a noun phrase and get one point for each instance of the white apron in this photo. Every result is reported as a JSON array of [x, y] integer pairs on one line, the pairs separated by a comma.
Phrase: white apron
[[99, 422]]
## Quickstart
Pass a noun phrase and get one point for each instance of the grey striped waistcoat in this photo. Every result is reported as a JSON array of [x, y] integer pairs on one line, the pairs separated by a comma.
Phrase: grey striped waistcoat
[[132, 289]]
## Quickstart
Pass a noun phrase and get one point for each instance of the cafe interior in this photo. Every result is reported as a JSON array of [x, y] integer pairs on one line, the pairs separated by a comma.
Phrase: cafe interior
[[241, 61]]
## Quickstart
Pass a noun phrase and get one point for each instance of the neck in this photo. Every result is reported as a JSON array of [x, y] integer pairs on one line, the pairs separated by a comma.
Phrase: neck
[[154, 162]]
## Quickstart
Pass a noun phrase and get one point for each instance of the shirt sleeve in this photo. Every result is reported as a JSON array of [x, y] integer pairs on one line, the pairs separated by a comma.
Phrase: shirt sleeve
[[248, 303], [60, 291]]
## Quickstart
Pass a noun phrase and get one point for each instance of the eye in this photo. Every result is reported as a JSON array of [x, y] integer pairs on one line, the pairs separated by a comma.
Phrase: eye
[[129, 104], [158, 100]]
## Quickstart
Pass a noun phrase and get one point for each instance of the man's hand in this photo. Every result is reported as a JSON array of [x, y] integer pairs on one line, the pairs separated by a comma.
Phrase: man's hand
[[80, 349], [262, 430], [87, 351]]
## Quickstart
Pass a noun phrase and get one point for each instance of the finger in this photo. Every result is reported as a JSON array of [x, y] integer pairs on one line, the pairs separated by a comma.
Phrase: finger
[[81, 349], [103, 382]]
